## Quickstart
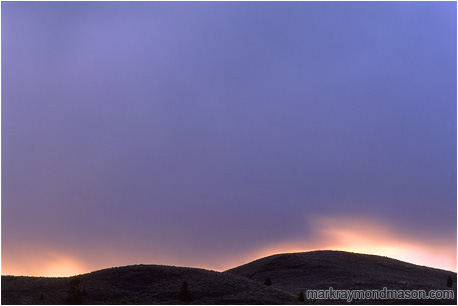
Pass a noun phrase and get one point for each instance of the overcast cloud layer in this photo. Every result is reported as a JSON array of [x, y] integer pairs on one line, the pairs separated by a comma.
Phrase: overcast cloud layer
[[191, 132]]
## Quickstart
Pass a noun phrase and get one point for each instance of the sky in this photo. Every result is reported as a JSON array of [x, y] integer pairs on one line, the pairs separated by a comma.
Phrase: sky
[[211, 134]]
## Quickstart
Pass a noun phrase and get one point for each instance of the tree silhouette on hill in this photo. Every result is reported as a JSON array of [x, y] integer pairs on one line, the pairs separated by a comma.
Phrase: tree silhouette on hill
[[185, 294]]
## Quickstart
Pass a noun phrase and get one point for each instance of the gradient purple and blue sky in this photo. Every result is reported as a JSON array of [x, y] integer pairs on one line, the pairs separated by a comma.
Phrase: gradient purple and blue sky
[[209, 134]]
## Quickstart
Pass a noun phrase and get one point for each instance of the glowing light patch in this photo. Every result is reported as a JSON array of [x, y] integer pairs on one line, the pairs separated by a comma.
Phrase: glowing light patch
[[50, 264], [62, 267], [370, 237]]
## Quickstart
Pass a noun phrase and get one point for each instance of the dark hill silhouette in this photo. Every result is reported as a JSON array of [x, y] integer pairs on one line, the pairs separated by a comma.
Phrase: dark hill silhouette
[[143, 284], [289, 274], [295, 272]]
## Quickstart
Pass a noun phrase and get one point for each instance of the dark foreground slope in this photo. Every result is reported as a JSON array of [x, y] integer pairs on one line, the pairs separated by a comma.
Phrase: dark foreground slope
[[141, 284], [295, 272]]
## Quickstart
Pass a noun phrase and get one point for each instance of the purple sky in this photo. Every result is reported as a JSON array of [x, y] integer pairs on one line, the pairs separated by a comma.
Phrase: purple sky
[[195, 133]]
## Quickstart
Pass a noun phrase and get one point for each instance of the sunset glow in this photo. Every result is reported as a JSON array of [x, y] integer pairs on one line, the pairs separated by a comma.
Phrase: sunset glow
[[370, 237], [41, 263], [364, 235]]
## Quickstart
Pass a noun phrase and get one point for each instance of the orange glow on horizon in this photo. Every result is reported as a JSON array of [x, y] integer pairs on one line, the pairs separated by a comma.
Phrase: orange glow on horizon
[[359, 235], [50, 264], [369, 237]]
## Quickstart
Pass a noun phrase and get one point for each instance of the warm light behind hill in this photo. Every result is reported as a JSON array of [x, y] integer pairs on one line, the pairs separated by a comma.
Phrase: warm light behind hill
[[370, 237]]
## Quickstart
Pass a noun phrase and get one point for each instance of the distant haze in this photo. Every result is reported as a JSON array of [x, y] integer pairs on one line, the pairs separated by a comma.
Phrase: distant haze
[[209, 134]]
